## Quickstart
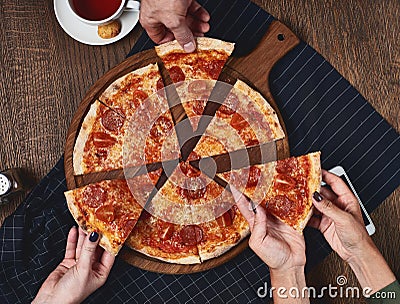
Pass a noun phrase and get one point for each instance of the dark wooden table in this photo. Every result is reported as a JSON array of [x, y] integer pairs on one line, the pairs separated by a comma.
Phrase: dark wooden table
[[45, 74]]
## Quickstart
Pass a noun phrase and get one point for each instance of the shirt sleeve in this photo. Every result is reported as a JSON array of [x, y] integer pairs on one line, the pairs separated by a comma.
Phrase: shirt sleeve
[[387, 295]]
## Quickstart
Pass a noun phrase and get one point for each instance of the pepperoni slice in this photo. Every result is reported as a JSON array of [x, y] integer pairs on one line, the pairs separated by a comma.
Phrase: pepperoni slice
[[284, 182], [160, 84], [103, 140], [281, 205], [194, 188], [287, 165], [213, 67], [230, 104], [226, 219], [112, 121], [199, 105], [105, 213], [254, 176], [165, 230], [251, 142], [238, 122], [127, 226], [94, 196], [101, 153], [161, 127], [189, 170], [176, 74], [139, 97], [197, 86], [191, 235]]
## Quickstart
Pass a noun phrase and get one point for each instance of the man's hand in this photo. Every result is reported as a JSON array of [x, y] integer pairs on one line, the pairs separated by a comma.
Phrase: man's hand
[[84, 269], [166, 20]]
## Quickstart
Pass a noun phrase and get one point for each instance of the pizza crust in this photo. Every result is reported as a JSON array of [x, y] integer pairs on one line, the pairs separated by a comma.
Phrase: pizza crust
[[314, 184], [189, 259], [76, 214], [114, 87], [86, 128], [221, 248], [265, 107], [203, 43]]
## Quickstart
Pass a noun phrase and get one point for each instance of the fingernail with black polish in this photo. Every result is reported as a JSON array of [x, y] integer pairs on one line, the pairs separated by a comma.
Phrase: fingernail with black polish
[[93, 236], [317, 196]]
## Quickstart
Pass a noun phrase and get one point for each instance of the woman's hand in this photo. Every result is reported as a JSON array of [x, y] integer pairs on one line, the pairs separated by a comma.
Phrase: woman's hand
[[166, 20], [280, 246], [343, 227], [84, 269], [341, 222]]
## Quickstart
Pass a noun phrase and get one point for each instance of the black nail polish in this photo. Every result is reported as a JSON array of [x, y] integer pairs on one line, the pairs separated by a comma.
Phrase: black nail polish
[[93, 236], [317, 196]]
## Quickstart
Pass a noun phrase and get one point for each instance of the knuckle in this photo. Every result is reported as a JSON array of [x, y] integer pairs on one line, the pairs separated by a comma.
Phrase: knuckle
[[174, 22]]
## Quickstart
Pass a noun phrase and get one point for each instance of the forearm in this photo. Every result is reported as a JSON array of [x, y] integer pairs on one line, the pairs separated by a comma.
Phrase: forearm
[[289, 286], [371, 270]]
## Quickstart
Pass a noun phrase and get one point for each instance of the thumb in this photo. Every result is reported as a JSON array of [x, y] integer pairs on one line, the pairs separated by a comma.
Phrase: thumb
[[88, 253], [327, 208], [184, 35], [260, 224]]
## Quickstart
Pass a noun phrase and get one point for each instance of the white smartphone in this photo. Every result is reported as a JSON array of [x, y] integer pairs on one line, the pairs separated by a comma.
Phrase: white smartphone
[[339, 171]]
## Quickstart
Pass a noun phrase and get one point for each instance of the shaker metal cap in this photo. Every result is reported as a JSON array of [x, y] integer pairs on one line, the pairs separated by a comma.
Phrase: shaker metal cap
[[5, 184]]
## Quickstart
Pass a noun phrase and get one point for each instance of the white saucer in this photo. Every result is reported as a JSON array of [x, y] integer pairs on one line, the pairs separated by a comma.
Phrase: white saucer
[[86, 33]]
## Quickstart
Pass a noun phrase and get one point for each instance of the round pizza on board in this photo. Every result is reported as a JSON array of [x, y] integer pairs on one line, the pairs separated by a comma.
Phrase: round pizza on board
[[181, 214]]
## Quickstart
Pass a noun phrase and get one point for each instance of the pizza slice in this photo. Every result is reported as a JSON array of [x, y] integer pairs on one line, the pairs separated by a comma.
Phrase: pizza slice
[[245, 119], [164, 241], [194, 74], [135, 128], [206, 62], [284, 187], [106, 207], [224, 232]]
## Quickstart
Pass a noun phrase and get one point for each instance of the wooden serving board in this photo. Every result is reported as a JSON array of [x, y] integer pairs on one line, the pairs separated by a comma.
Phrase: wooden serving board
[[254, 69]]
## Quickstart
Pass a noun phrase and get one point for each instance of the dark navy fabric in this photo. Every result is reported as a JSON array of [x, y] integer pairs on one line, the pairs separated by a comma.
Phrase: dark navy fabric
[[321, 110]]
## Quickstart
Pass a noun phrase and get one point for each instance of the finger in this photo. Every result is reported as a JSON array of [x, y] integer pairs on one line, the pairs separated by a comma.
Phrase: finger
[[88, 253], [328, 194], [81, 239], [182, 33], [314, 222], [157, 33], [336, 183], [346, 198], [199, 12], [244, 206], [168, 37], [260, 224], [198, 34], [107, 260], [328, 208], [197, 26], [72, 240]]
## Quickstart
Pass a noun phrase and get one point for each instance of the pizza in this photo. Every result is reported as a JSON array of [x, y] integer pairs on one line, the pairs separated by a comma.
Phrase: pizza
[[166, 208], [101, 139], [244, 119], [284, 187], [107, 207], [206, 62]]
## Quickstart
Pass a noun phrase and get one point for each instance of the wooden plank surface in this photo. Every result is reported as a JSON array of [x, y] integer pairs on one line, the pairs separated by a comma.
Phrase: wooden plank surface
[[45, 74]]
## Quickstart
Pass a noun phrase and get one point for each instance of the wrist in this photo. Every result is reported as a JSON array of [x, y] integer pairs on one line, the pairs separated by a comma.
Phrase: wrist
[[287, 285], [371, 269]]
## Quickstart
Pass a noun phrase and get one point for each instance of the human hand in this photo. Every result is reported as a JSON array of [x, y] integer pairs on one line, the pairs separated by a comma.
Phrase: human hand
[[277, 244], [343, 227], [84, 269], [341, 221], [166, 20]]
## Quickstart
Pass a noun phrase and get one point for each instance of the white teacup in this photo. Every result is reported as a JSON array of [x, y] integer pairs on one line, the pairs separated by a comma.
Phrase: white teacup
[[128, 5]]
